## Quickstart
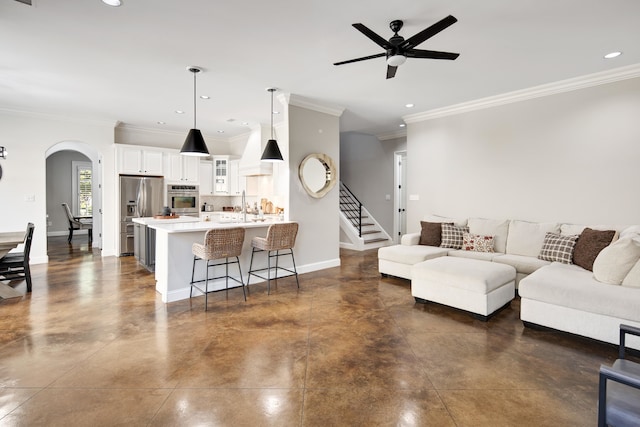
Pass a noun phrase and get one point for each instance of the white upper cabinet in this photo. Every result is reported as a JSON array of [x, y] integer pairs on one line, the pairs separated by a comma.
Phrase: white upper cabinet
[[221, 175], [237, 182], [138, 161], [206, 177], [182, 168]]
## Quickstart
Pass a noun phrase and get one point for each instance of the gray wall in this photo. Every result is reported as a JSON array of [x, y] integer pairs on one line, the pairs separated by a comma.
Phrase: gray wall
[[318, 236], [569, 157], [59, 188], [367, 167]]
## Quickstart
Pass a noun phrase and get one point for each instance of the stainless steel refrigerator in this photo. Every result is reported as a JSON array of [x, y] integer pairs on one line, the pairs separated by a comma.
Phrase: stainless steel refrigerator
[[140, 196]]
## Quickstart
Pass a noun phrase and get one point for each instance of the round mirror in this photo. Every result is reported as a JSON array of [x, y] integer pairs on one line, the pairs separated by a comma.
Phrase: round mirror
[[317, 174]]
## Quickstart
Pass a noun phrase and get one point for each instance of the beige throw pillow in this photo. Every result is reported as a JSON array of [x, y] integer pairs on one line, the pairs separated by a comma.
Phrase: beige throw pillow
[[632, 279], [615, 261]]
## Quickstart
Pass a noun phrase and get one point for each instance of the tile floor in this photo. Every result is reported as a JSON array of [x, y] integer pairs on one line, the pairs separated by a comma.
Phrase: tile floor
[[94, 345]]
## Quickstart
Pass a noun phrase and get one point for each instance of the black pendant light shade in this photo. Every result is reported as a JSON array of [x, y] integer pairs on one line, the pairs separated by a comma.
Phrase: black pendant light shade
[[194, 145], [271, 151]]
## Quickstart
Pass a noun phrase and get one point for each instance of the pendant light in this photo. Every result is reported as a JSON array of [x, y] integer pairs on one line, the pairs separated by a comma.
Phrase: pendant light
[[271, 151], [194, 145]]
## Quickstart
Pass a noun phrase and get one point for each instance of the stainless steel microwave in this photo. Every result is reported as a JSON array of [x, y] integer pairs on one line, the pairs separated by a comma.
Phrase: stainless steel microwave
[[183, 199]]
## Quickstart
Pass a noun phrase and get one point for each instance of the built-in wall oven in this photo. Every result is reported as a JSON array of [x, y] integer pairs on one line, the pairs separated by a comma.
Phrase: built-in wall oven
[[183, 199]]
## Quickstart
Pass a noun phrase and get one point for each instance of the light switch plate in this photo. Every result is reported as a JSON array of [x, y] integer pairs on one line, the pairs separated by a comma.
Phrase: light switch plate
[[414, 197]]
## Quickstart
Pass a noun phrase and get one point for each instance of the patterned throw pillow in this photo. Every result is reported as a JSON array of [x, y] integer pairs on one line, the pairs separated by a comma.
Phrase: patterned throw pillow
[[477, 243], [557, 247], [452, 236]]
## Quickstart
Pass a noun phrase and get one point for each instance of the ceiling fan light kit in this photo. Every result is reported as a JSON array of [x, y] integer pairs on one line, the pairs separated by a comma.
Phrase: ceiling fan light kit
[[271, 151], [194, 145], [397, 49]]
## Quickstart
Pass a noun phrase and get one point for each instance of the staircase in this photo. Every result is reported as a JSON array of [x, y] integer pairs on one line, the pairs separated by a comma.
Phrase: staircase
[[357, 224]]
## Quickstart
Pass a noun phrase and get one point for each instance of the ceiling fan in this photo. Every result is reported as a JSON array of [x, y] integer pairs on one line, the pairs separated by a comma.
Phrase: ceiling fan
[[398, 49]]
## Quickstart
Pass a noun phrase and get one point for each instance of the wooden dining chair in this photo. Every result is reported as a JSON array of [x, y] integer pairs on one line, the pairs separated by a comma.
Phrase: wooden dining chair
[[76, 223], [15, 265]]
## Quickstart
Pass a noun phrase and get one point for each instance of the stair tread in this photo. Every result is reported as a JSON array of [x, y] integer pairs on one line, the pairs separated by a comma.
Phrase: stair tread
[[371, 232], [375, 240]]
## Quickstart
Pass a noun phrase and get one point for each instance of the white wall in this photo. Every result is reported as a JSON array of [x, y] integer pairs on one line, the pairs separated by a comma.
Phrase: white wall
[[27, 138], [59, 179], [317, 244], [367, 167], [569, 157]]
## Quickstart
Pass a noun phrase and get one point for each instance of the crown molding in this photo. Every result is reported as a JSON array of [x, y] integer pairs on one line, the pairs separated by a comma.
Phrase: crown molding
[[302, 102], [123, 127], [568, 85], [386, 136], [57, 117]]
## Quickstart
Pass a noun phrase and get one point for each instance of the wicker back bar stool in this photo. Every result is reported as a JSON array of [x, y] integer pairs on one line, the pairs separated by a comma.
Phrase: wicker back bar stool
[[223, 243], [280, 237]]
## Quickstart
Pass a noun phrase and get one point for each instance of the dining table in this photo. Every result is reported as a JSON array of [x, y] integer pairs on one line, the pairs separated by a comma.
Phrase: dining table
[[8, 241]]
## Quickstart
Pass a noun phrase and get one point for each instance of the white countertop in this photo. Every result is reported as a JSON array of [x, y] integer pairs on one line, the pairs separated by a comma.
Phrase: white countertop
[[189, 227], [151, 220]]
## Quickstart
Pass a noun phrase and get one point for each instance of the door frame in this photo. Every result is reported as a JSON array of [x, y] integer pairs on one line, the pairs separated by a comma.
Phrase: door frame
[[399, 194]]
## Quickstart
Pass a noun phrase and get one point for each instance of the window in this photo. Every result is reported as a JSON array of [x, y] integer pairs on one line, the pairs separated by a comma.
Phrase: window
[[82, 189]]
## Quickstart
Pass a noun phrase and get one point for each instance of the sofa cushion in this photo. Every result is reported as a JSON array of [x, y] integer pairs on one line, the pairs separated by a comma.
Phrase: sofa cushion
[[452, 236], [477, 243], [557, 247], [404, 254], [491, 227], [431, 233], [633, 276], [589, 245], [615, 261], [632, 231], [468, 274], [574, 287], [571, 229], [484, 256], [526, 238], [523, 264]]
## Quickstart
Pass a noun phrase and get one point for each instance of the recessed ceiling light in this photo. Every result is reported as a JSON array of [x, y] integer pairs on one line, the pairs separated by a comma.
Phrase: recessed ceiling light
[[179, 112], [161, 123], [409, 105], [276, 112], [245, 123], [205, 97], [402, 125], [220, 131], [612, 55], [114, 3]]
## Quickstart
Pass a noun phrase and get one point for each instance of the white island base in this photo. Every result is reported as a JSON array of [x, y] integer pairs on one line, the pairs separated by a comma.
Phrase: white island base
[[174, 259]]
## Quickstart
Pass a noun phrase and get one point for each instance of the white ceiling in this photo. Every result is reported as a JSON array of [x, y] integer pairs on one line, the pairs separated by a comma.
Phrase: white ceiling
[[84, 59]]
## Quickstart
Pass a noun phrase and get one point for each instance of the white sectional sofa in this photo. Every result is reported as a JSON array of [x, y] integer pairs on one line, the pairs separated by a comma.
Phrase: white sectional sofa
[[557, 295]]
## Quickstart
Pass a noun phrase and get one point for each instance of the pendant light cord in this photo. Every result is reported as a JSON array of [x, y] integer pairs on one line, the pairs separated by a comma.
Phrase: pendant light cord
[[272, 113], [194, 99]]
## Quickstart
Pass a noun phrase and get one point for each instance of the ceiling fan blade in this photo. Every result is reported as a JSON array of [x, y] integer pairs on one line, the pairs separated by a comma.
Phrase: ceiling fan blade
[[423, 35], [373, 36], [364, 58], [391, 71], [431, 54]]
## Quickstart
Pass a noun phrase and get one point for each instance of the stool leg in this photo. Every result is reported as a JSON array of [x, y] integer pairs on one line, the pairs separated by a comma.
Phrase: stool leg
[[226, 270], [193, 269], [268, 272], [206, 288], [295, 270], [241, 281], [277, 258], [253, 250]]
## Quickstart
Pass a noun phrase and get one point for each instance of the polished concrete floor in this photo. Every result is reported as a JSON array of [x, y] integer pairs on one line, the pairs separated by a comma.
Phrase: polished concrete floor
[[94, 345]]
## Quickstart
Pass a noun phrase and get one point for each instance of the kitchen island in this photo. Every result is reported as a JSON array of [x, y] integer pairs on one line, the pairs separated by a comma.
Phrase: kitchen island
[[174, 259]]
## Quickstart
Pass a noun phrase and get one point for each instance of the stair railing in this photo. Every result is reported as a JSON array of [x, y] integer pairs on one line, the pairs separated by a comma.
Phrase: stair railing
[[351, 207]]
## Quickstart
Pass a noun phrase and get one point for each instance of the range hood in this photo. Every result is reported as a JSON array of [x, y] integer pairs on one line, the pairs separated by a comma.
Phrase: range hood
[[250, 163]]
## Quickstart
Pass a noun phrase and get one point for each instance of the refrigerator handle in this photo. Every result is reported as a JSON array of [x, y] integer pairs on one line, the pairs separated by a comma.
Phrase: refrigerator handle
[[138, 201]]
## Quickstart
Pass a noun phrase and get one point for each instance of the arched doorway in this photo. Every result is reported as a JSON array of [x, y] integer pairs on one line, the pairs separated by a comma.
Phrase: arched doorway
[[94, 157]]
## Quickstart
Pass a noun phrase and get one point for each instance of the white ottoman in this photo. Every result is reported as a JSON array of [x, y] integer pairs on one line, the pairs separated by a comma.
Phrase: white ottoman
[[481, 287]]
